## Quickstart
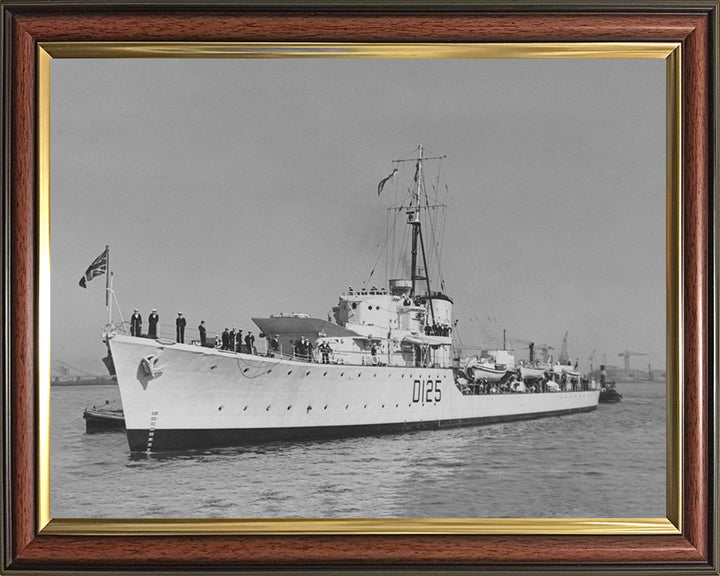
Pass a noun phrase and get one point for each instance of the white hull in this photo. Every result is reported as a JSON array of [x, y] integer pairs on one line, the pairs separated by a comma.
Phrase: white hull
[[204, 397]]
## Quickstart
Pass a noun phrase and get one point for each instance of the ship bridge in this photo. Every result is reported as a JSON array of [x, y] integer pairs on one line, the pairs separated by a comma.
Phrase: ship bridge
[[380, 309]]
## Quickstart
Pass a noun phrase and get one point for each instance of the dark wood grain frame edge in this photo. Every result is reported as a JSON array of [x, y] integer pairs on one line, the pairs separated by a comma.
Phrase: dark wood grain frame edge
[[694, 552], [5, 60]]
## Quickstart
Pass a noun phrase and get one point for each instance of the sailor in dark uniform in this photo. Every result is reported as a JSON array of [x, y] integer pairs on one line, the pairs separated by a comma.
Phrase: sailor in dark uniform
[[249, 340], [231, 340], [225, 339], [152, 323], [325, 350], [238, 343], [303, 350], [180, 323], [203, 332], [135, 323], [274, 343]]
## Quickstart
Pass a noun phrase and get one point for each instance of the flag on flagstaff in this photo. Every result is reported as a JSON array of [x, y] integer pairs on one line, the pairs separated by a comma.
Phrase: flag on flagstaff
[[417, 171], [97, 268], [385, 181]]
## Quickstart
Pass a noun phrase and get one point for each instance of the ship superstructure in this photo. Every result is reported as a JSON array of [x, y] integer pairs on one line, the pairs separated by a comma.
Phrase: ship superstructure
[[384, 362]]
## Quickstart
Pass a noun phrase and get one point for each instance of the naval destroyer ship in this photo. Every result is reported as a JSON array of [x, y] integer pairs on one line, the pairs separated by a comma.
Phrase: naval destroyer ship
[[385, 363]]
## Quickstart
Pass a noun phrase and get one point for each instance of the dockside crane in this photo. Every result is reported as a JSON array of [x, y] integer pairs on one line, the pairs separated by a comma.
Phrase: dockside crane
[[626, 356], [591, 358]]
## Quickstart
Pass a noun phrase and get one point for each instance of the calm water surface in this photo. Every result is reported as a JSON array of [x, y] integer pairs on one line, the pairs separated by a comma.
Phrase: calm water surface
[[608, 463]]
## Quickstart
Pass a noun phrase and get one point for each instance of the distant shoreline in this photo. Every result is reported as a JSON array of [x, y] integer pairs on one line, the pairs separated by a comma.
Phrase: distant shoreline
[[99, 381]]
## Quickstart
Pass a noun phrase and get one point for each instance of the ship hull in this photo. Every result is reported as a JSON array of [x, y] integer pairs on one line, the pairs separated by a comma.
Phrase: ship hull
[[190, 439], [178, 397]]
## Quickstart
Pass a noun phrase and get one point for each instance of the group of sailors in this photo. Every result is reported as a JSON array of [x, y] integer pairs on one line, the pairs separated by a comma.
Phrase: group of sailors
[[515, 385], [437, 330], [304, 350], [233, 341], [153, 320]]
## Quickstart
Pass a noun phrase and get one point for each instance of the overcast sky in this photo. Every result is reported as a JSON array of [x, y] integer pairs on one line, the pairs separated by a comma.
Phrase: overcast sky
[[235, 188]]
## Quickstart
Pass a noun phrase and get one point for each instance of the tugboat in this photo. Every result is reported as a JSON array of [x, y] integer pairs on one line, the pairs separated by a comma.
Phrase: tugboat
[[386, 363], [608, 393], [104, 418]]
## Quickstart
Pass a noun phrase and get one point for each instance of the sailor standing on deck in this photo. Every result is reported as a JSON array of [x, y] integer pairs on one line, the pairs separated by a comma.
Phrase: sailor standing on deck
[[203, 332], [180, 323], [274, 344], [225, 339], [239, 341], [300, 349], [249, 341], [136, 323], [325, 350], [152, 323], [231, 340]]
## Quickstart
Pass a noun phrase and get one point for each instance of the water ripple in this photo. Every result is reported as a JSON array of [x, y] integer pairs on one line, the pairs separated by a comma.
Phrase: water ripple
[[608, 463]]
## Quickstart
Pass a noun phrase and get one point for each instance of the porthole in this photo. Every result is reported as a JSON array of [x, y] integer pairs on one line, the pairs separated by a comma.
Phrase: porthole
[[220, 408], [269, 371], [245, 408], [342, 374], [369, 307], [365, 406], [307, 373], [289, 407], [245, 370], [383, 406], [290, 372], [374, 375], [324, 373], [359, 374], [267, 409], [377, 307], [346, 406], [325, 407], [396, 405]]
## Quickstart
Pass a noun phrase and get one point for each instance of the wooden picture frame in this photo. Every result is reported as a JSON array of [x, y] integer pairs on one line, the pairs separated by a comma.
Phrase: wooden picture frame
[[30, 545]]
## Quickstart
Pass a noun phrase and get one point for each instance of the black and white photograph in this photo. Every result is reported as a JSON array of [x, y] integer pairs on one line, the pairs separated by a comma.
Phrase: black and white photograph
[[358, 288]]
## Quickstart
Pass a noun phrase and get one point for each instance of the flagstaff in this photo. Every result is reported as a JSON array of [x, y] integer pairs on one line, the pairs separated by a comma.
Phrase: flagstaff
[[108, 286]]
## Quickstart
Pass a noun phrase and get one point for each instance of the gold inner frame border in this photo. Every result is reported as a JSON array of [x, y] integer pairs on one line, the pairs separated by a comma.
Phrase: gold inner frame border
[[670, 52]]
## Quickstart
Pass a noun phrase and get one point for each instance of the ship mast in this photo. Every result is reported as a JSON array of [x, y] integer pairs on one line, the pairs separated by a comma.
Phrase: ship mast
[[413, 219], [413, 213]]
